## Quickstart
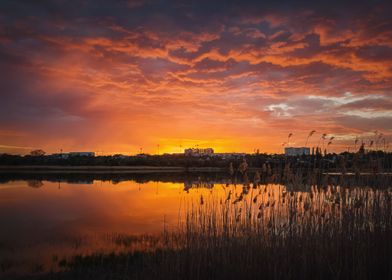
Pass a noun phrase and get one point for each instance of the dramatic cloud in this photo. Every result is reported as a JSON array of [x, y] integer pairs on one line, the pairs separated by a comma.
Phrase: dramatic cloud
[[115, 76]]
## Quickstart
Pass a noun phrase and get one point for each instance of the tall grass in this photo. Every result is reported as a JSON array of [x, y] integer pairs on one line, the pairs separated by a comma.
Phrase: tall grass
[[263, 232]]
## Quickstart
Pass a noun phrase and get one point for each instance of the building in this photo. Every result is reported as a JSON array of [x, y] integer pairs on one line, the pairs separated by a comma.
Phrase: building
[[199, 152], [230, 155], [60, 155], [81, 154], [74, 154], [296, 151]]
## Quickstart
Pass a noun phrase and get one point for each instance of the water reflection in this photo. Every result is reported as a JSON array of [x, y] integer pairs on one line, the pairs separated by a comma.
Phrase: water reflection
[[35, 183], [45, 217]]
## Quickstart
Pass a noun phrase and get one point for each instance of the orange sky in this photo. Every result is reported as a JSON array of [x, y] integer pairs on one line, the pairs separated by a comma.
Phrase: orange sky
[[114, 78]]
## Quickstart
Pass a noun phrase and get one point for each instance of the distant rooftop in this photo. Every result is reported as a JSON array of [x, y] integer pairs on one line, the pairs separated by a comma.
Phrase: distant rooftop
[[296, 151]]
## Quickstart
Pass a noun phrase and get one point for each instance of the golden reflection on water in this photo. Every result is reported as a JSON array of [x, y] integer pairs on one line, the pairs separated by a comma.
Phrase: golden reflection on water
[[46, 221]]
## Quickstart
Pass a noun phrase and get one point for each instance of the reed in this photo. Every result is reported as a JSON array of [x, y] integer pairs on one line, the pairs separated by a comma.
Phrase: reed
[[266, 231]]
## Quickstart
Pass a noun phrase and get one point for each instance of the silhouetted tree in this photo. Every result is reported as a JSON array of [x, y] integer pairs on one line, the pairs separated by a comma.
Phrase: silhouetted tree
[[37, 153]]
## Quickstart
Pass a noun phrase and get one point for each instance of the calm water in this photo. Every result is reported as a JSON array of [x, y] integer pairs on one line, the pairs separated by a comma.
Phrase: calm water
[[46, 220], [43, 221]]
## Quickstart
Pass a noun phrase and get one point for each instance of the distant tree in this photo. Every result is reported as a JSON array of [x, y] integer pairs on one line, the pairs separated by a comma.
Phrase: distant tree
[[37, 153]]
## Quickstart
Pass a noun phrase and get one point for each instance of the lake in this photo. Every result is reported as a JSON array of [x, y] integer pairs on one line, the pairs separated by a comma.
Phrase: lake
[[46, 218], [41, 219]]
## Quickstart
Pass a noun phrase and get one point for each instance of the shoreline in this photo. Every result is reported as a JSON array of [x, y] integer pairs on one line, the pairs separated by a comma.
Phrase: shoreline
[[100, 169], [66, 169]]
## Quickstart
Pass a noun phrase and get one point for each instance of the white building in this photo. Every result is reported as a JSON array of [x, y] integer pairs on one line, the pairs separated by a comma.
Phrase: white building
[[198, 152], [296, 151]]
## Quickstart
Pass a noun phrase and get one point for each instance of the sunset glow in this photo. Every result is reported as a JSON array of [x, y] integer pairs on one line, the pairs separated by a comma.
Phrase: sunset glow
[[163, 76]]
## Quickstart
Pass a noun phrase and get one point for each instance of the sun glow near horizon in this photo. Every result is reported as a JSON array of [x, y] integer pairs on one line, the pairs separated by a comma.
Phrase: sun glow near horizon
[[119, 81]]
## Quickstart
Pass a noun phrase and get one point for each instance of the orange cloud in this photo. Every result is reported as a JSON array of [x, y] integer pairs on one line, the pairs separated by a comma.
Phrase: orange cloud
[[236, 83]]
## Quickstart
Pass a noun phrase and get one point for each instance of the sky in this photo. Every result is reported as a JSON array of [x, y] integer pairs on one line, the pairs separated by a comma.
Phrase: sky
[[160, 76]]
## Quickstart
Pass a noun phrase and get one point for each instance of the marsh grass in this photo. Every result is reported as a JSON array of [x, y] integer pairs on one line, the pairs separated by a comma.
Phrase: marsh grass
[[255, 231]]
